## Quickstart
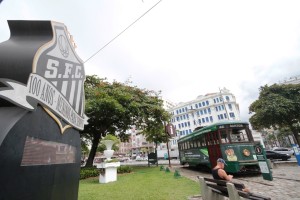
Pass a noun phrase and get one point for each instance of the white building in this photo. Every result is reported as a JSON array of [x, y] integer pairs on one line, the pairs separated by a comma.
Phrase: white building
[[202, 111], [291, 80]]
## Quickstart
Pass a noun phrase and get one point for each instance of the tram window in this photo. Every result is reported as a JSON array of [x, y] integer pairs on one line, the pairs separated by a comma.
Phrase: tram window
[[203, 143], [224, 136], [239, 136], [195, 144]]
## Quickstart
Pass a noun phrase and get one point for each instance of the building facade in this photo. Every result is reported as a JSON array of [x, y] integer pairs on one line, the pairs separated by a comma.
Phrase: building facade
[[202, 111], [291, 80]]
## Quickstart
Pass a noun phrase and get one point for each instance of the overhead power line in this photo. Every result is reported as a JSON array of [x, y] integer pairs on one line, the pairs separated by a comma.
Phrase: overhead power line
[[122, 31]]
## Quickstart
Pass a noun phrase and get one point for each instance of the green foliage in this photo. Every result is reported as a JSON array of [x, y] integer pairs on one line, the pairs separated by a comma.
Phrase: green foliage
[[167, 169], [162, 168], [177, 173], [278, 106], [89, 172], [124, 169], [112, 160], [115, 107]]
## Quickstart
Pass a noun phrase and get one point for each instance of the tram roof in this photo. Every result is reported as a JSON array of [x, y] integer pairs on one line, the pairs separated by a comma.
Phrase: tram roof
[[210, 128]]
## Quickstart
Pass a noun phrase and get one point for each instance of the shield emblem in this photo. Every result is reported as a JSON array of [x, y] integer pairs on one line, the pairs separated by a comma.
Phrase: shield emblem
[[56, 81]]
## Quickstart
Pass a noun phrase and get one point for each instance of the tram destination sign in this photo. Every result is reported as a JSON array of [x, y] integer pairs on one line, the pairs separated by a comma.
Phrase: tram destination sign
[[232, 126]]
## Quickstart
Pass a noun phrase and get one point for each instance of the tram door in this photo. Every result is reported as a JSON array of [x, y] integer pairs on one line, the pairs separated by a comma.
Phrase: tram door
[[213, 146]]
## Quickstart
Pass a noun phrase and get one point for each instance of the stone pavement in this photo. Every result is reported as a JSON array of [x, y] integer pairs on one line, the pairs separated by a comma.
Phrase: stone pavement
[[285, 184]]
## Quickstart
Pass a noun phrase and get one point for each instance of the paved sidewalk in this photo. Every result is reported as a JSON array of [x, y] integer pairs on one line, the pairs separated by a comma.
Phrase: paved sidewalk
[[285, 184]]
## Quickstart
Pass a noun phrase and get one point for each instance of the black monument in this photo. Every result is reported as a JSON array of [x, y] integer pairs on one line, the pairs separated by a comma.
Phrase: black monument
[[41, 112]]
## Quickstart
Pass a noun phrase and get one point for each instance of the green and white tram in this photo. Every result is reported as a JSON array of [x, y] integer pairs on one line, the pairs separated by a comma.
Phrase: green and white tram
[[230, 140]]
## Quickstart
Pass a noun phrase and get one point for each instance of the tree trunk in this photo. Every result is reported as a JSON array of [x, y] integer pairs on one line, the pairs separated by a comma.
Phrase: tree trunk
[[95, 143], [297, 137], [156, 154]]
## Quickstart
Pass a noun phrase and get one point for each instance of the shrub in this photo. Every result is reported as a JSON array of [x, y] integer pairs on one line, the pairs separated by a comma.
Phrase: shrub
[[89, 172], [112, 160], [124, 169]]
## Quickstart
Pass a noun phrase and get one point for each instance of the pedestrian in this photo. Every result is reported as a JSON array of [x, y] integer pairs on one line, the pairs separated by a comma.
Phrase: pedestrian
[[219, 173]]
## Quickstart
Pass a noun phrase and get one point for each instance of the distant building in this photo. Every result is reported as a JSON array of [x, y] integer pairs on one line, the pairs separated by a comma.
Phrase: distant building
[[136, 146], [291, 80], [202, 111]]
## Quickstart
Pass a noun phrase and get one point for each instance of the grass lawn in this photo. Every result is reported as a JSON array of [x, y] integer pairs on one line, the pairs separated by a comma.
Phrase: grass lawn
[[143, 183]]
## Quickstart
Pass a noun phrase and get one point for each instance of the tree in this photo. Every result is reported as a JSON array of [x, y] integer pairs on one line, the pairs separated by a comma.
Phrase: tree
[[115, 107], [277, 107]]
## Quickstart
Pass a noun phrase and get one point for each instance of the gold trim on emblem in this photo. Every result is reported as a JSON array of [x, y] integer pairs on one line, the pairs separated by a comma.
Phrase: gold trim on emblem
[[62, 129]]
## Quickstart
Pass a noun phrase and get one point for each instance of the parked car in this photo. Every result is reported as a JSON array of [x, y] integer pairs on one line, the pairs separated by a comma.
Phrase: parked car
[[275, 155], [283, 150]]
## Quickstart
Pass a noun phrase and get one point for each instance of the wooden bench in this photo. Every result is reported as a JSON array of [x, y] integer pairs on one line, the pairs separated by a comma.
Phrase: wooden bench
[[220, 190]]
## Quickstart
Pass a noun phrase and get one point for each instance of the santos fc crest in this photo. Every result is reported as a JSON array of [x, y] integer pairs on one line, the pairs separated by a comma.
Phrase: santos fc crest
[[56, 81]]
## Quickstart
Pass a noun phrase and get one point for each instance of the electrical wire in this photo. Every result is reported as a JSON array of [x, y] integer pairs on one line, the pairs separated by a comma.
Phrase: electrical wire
[[123, 31]]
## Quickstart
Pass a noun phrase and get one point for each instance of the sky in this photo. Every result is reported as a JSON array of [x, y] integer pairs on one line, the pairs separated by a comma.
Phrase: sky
[[183, 48]]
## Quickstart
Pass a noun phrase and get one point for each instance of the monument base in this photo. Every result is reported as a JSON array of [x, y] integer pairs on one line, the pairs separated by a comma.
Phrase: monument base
[[110, 172]]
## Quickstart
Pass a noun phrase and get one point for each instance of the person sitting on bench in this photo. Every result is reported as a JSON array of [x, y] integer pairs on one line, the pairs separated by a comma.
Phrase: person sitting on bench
[[219, 173]]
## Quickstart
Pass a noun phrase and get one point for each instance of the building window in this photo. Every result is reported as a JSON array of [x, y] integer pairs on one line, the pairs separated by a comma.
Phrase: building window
[[225, 115], [211, 118], [231, 114], [203, 103], [207, 103], [215, 101], [206, 118], [201, 111], [227, 98], [230, 106], [196, 105], [205, 112], [199, 105], [203, 120], [217, 108], [209, 111]]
